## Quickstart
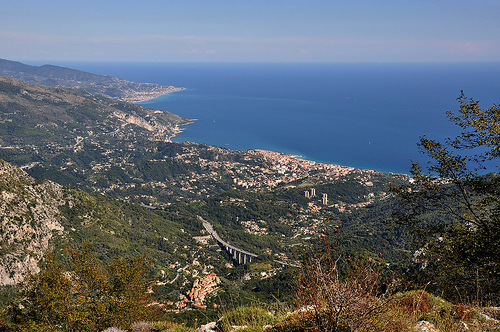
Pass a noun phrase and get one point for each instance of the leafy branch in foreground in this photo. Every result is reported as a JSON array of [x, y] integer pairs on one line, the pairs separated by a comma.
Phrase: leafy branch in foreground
[[454, 206], [90, 296]]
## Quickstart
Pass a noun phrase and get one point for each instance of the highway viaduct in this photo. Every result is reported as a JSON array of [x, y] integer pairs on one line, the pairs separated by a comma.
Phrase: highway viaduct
[[239, 255]]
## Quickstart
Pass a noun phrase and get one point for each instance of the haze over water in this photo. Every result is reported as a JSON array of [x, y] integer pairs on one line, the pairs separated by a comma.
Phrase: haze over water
[[367, 116]]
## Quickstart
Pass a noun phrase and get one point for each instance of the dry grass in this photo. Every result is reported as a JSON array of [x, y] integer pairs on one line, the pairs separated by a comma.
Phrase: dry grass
[[171, 327], [251, 318], [400, 312], [337, 302]]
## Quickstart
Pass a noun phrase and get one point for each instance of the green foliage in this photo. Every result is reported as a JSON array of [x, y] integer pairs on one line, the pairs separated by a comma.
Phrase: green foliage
[[454, 207], [275, 288], [90, 296], [48, 293], [119, 228], [7, 294]]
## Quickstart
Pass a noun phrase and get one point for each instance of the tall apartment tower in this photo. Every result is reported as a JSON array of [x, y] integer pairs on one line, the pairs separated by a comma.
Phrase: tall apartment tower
[[313, 192], [306, 194], [325, 199]]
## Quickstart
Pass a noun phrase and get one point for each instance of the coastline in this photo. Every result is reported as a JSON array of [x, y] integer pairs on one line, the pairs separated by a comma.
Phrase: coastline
[[344, 115], [294, 160], [142, 96], [279, 157], [179, 128], [266, 111], [299, 162]]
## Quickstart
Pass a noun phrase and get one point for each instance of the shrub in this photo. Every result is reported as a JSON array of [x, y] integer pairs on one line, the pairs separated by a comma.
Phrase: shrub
[[464, 311], [400, 312], [91, 296], [339, 295], [414, 302], [298, 321]]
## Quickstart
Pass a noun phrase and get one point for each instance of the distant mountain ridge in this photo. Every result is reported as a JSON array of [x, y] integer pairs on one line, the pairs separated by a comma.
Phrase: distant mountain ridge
[[107, 86], [30, 108]]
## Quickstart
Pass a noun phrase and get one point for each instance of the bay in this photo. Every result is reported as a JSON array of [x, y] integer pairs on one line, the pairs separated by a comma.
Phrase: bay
[[367, 116]]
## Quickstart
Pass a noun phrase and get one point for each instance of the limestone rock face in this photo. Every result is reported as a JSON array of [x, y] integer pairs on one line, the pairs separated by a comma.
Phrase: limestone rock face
[[425, 326], [210, 327], [29, 218]]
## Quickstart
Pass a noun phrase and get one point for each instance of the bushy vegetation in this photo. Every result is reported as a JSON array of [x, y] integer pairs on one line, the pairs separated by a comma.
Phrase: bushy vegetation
[[341, 293], [89, 296], [336, 302], [401, 312], [453, 206]]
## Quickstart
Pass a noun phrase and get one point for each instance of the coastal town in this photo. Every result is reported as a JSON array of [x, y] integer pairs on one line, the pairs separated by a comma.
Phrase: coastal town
[[222, 169], [261, 202], [296, 168], [147, 91], [244, 166]]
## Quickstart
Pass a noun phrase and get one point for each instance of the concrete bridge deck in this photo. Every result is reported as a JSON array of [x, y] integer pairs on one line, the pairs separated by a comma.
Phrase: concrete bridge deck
[[239, 255]]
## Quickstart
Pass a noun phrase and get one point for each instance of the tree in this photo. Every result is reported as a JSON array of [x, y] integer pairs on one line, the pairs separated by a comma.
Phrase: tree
[[454, 206], [91, 296], [47, 294]]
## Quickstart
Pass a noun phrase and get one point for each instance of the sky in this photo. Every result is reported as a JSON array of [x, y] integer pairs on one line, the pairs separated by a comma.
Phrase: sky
[[251, 31]]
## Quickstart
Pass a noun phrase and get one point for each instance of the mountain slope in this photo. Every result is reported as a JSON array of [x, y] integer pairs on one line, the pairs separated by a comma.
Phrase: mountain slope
[[122, 150], [37, 115], [29, 218], [109, 86], [41, 216]]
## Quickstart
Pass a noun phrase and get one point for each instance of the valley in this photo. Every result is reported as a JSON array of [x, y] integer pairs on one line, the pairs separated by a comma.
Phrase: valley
[[124, 187]]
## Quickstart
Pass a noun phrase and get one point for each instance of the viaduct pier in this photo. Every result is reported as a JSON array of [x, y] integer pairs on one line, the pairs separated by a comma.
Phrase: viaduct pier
[[239, 255]]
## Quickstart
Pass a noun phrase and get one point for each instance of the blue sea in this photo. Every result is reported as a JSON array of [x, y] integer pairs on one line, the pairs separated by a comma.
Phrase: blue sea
[[368, 116]]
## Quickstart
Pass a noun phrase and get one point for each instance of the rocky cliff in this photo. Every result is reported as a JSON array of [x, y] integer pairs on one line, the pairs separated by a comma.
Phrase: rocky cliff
[[29, 219]]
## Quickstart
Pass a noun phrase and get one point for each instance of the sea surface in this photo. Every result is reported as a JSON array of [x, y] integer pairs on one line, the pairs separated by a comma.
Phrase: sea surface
[[368, 116]]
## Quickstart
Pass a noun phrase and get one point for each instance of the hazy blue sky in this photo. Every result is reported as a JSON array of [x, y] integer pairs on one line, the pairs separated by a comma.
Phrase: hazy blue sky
[[267, 30]]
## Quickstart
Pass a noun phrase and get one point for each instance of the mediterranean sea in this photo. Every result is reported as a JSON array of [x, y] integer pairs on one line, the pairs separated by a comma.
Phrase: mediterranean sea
[[367, 116]]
